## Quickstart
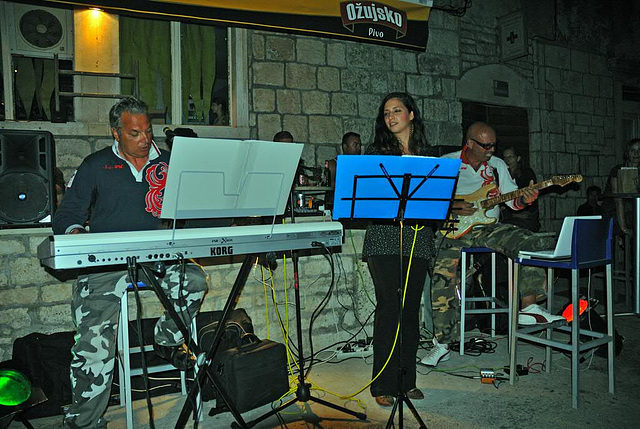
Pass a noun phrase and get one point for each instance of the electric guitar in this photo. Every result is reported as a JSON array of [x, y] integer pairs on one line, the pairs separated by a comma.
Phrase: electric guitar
[[460, 225]]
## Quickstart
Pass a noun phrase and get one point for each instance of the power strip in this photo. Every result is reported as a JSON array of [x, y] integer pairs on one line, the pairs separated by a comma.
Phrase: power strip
[[355, 352]]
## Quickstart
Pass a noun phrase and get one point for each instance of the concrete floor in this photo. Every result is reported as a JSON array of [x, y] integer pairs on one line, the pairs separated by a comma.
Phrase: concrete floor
[[536, 401]]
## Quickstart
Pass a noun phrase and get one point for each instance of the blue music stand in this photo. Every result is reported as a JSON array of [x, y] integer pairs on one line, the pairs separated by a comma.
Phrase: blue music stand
[[398, 188], [394, 187]]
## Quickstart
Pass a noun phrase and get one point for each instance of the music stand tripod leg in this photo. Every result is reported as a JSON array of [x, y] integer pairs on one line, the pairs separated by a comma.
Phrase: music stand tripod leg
[[303, 392]]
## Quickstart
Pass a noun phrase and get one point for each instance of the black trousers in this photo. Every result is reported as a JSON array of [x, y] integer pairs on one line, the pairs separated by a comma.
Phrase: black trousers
[[385, 272]]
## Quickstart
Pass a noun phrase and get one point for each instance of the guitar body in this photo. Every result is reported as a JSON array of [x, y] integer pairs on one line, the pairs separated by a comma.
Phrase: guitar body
[[463, 224], [460, 225]]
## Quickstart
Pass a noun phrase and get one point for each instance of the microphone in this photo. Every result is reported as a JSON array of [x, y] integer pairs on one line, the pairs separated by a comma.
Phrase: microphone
[[269, 260]]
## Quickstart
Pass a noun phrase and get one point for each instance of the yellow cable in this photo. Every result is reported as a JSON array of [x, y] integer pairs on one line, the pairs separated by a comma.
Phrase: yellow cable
[[266, 302]]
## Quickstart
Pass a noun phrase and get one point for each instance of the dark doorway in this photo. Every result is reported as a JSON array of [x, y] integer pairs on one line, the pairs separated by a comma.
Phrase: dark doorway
[[510, 123]]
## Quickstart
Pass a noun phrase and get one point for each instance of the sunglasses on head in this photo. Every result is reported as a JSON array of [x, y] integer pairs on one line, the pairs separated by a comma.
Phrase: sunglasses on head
[[485, 146]]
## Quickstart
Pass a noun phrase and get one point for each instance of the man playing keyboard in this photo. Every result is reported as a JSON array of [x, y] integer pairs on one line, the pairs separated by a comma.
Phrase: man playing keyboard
[[479, 168], [119, 188]]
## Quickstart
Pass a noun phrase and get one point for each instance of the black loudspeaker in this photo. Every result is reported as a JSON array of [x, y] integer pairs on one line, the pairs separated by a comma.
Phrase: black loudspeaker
[[27, 188]]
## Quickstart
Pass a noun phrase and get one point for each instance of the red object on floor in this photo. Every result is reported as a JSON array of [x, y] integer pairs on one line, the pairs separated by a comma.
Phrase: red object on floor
[[568, 312]]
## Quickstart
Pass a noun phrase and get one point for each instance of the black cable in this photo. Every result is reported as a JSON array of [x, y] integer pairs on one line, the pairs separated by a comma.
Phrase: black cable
[[475, 346], [452, 10], [321, 305]]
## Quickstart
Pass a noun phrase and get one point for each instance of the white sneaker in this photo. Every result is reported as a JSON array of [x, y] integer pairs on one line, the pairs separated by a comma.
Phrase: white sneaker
[[439, 353], [534, 315]]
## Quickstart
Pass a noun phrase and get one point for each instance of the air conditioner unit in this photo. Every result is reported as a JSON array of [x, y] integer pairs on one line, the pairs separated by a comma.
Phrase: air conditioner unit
[[41, 32]]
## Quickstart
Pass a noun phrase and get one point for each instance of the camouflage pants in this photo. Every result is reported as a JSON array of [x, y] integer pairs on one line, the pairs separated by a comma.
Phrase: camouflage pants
[[96, 309], [504, 238]]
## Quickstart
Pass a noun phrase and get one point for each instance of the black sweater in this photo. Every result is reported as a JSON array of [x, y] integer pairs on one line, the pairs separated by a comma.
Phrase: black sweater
[[105, 192]]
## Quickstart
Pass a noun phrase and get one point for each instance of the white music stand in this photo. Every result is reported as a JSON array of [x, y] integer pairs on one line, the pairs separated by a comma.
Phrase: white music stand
[[215, 178]]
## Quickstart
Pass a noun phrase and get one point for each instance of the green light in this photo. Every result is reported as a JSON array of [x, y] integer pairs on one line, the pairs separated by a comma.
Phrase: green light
[[15, 388]]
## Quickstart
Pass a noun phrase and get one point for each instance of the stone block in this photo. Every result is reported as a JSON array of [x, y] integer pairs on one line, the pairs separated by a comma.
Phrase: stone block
[[468, 46], [257, 46], [582, 104], [557, 56], [57, 292], [449, 133], [324, 129], [590, 85], [311, 51], [598, 65], [315, 102], [301, 76], [20, 296], [343, 103], [298, 126], [15, 318], [441, 65], [27, 271], [268, 125], [54, 314], [609, 128], [324, 153], [443, 41], [487, 50], [288, 101], [562, 102], [264, 100], [448, 87], [271, 74], [368, 105], [582, 119], [336, 54], [4, 279], [359, 55], [572, 82], [280, 48], [419, 85], [404, 61], [328, 79], [443, 20], [362, 126], [11, 246], [435, 109], [555, 122], [579, 61], [355, 80]]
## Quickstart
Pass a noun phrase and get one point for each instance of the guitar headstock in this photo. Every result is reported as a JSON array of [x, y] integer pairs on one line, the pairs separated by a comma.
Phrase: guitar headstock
[[565, 180]]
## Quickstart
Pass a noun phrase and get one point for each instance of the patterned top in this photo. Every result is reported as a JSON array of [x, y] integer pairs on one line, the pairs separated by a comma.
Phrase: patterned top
[[383, 238]]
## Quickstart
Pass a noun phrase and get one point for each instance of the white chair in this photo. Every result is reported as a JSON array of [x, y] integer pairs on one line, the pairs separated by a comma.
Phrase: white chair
[[496, 306], [124, 357], [590, 247]]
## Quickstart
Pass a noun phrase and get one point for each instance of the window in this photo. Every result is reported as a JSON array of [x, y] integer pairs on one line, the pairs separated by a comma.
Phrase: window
[[188, 74]]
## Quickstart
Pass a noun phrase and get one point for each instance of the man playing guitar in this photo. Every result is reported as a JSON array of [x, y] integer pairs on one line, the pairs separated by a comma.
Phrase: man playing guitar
[[480, 169]]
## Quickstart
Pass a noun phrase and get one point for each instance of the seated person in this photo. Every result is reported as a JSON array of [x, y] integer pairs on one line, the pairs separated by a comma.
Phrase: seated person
[[479, 168], [592, 206], [528, 217]]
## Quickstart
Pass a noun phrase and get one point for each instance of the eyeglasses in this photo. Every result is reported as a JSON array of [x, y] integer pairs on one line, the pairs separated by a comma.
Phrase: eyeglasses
[[485, 146]]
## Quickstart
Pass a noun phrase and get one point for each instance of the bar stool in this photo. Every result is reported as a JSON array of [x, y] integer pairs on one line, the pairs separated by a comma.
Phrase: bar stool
[[124, 357], [497, 307], [590, 247]]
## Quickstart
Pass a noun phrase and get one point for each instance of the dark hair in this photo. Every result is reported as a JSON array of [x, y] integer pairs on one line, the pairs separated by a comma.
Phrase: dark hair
[[594, 188], [347, 136], [180, 132], [281, 135], [386, 143], [129, 104]]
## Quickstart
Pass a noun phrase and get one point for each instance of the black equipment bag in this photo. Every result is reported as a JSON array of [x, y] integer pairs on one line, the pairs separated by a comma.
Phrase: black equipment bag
[[238, 329], [252, 375], [46, 360]]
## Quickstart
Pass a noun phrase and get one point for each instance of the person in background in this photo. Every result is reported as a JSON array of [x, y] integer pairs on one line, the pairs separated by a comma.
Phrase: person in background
[[120, 188], [180, 132], [592, 206], [351, 145], [399, 130], [622, 208], [283, 136], [528, 217], [218, 112]]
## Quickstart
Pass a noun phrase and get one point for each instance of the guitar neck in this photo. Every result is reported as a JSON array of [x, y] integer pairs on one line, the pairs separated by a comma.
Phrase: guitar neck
[[491, 202]]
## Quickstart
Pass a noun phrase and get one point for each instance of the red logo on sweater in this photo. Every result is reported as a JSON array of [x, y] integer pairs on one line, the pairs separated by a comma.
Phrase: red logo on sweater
[[156, 177]]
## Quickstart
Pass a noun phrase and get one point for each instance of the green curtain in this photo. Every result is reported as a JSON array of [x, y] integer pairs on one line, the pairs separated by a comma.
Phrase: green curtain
[[149, 43], [198, 69]]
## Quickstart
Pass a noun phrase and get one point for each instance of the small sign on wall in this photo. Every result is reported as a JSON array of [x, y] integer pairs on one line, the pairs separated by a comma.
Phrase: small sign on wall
[[513, 37]]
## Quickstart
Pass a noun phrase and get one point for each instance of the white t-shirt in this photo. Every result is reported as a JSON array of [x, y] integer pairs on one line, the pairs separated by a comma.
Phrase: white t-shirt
[[471, 180]]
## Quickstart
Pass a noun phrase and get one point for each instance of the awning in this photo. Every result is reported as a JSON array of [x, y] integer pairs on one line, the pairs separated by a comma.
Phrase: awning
[[392, 22]]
